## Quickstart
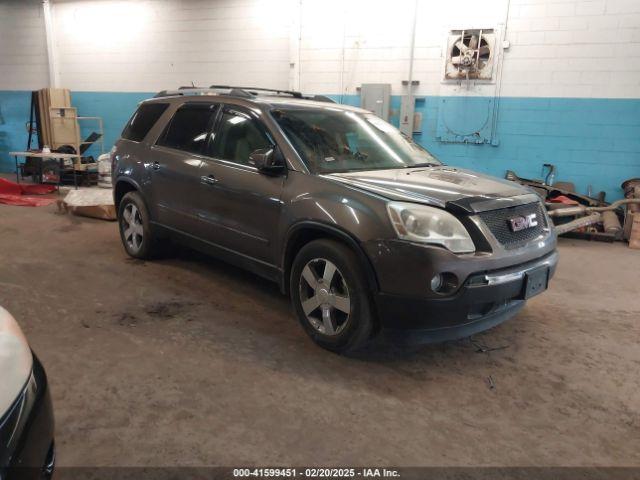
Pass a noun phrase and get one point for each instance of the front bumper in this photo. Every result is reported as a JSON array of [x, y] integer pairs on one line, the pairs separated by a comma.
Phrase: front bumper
[[485, 299], [27, 431]]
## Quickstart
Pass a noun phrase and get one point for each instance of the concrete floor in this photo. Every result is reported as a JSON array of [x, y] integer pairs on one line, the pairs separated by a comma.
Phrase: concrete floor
[[189, 361]]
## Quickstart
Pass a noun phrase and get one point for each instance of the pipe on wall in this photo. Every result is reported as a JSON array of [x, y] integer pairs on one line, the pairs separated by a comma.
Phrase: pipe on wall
[[412, 48], [295, 41], [500, 68], [54, 75], [407, 108]]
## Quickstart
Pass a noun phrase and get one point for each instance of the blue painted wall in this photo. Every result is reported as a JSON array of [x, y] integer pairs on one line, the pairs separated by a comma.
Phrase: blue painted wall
[[14, 113], [115, 108], [591, 141]]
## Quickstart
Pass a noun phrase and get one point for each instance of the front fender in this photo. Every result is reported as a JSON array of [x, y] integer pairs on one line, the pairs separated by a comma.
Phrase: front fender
[[363, 215], [327, 209], [329, 231]]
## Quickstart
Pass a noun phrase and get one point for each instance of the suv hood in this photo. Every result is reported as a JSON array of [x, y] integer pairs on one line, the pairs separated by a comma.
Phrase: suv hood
[[438, 186]]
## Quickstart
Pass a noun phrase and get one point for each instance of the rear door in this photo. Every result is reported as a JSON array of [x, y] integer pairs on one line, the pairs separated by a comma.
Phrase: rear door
[[239, 206], [175, 172]]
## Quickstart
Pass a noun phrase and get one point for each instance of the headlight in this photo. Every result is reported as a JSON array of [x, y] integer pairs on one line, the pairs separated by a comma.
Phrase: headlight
[[16, 360], [420, 223]]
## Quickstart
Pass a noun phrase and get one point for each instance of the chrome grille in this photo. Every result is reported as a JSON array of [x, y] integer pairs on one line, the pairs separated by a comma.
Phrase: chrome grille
[[498, 221]]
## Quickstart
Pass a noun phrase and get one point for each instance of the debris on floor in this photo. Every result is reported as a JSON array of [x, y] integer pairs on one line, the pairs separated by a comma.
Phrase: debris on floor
[[634, 238], [631, 229], [481, 347], [89, 202], [586, 217], [549, 191], [24, 195]]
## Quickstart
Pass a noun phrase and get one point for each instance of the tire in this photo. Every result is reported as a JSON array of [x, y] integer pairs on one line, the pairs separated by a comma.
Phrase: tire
[[339, 331], [139, 241]]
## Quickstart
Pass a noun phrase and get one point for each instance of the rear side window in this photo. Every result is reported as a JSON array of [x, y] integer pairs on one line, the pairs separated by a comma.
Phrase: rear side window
[[188, 128], [145, 117]]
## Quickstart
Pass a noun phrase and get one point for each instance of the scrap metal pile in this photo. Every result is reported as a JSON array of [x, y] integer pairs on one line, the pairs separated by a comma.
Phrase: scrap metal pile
[[583, 216]]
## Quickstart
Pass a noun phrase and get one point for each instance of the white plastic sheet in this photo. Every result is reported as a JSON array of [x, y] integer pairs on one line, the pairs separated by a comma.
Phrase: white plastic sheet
[[91, 202]]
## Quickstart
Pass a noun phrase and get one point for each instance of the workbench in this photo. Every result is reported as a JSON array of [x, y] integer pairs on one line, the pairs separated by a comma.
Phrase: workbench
[[43, 156]]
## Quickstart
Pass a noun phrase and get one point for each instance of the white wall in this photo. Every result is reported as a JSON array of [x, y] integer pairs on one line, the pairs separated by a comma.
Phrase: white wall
[[557, 47], [153, 45], [573, 48], [23, 46], [377, 39], [576, 48]]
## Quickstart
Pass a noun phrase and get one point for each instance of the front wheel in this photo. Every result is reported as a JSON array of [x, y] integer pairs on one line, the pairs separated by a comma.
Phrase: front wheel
[[330, 296]]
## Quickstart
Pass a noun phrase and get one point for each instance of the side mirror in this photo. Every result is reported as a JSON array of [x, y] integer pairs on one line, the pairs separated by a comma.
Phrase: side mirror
[[267, 160]]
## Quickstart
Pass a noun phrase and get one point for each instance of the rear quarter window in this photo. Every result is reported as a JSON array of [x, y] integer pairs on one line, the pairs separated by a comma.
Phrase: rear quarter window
[[143, 120], [188, 129]]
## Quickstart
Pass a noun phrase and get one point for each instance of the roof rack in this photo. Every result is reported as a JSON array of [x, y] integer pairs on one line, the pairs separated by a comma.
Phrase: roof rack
[[253, 91], [244, 92], [183, 91]]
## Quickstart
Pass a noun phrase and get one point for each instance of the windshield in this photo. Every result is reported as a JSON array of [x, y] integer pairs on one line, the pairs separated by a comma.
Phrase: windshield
[[330, 140]]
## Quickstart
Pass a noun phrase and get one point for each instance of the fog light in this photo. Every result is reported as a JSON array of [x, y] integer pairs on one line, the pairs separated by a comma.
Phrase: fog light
[[436, 282], [444, 283]]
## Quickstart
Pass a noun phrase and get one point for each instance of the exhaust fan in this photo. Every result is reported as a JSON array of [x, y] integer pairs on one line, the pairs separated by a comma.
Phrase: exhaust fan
[[470, 55]]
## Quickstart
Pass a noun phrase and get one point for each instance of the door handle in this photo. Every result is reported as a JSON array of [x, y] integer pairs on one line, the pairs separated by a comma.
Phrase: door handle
[[155, 166], [208, 180]]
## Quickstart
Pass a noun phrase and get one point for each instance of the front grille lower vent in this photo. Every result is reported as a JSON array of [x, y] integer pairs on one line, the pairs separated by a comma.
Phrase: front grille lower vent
[[498, 221]]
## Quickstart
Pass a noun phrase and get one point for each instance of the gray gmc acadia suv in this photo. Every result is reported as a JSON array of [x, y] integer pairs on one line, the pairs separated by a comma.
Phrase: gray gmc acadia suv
[[363, 228]]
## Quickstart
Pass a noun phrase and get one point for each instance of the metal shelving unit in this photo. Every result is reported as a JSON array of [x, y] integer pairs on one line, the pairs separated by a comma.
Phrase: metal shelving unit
[[99, 130]]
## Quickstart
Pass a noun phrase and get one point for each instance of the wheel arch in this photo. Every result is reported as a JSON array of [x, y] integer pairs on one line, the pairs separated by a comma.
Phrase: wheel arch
[[307, 231], [123, 186]]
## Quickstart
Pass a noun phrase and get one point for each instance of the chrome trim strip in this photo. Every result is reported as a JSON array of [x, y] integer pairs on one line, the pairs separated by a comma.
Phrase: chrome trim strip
[[499, 279], [512, 276]]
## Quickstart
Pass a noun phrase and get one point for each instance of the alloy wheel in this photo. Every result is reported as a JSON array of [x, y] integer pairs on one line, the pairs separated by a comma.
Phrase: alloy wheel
[[324, 296], [132, 227]]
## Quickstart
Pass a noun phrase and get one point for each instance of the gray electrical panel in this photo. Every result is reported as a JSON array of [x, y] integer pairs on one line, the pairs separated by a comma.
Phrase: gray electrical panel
[[376, 97], [407, 110]]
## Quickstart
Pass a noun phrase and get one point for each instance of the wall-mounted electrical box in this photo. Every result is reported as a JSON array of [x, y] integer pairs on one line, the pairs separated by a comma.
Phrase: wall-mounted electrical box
[[407, 110], [376, 97], [417, 123]]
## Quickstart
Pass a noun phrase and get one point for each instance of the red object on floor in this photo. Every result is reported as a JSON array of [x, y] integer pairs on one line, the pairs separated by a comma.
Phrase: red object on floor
[[25, 200], [20, 194], [563, 199]]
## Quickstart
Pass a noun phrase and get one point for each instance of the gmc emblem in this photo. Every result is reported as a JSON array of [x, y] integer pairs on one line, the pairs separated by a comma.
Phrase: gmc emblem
[[521, 223]]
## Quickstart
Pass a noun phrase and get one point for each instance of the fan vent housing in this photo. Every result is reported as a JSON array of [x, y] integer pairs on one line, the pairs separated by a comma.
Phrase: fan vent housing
[[470, 55]]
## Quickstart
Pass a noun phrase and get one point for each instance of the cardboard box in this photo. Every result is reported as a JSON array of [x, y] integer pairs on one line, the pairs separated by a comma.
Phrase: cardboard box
[[89, 202]]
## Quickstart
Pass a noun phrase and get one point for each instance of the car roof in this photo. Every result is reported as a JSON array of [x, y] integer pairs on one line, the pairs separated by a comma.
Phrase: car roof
[[269, 101], [278, 101]]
